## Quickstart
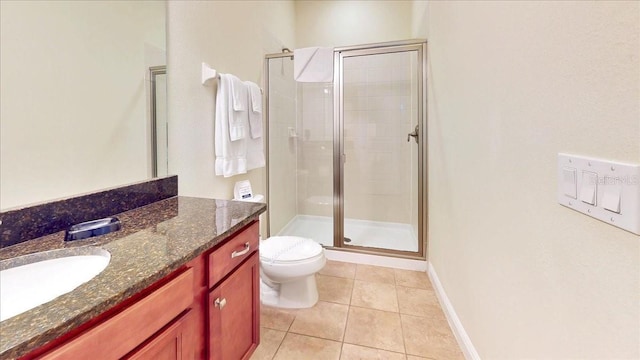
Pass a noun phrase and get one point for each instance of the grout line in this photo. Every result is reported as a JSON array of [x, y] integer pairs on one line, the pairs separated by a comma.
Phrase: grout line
[[404, 345], [313, 336], [375, 348], [346, 322], [292, 321], [279, 345], [336, 277], [368, 308]]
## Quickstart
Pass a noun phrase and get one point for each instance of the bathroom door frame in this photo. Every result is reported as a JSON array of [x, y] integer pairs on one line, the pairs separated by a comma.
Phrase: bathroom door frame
[[154, 72], [338, 143]]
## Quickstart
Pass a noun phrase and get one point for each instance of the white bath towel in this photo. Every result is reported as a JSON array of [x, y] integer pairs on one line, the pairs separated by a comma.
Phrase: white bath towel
[[255, 153], [239, 114], [231, 156], [313, 64], [255, 109]]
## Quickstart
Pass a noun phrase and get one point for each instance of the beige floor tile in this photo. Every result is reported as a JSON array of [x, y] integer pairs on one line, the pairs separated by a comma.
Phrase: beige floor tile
[[298, 347], [413, 279], [339, 269], [375, 274], [375, 296], [277, 319], [325, 320], [355, 352], [418, 302], [270, 340], [430, 338], [334, 289], [374, 328], [412, 357]]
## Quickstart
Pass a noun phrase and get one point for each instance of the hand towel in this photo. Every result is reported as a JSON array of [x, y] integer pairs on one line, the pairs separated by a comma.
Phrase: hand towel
[[255, 146], [255, 96], [240, 94], [313, 64], [239, 115], [255, 109], [231, 156]]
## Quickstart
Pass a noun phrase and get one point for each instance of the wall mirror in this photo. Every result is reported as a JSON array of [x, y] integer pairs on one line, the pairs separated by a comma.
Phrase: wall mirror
[[80, 84]]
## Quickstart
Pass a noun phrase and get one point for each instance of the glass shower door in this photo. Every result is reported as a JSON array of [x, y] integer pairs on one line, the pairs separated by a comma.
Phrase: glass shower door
[[379, 124], [300, 161]]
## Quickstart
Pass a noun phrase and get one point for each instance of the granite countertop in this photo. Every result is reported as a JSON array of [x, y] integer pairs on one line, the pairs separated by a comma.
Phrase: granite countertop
[[154, 241]]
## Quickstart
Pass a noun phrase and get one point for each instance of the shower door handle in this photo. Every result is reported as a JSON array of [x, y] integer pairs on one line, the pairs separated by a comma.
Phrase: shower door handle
[[413, 134]]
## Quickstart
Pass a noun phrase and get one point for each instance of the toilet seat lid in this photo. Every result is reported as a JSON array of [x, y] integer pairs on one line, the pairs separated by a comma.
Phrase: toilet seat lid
[[289, 248]]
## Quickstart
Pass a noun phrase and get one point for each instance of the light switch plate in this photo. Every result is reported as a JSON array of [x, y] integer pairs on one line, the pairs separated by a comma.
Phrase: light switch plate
[[626, 176]]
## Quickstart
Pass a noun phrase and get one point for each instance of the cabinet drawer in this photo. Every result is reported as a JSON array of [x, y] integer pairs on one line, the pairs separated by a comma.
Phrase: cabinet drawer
[[123, 332], [231, 254]]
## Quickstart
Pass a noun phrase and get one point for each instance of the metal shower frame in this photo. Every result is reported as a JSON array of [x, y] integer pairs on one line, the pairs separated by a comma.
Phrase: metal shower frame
[[419, 45]]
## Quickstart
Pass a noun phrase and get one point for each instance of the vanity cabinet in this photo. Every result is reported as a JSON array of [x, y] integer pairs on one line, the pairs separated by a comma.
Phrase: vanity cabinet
[[234, 299], [209, 308], [142, 322]]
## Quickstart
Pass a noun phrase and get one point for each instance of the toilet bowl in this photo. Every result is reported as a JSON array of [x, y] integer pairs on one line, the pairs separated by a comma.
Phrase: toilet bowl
[[288, 265]]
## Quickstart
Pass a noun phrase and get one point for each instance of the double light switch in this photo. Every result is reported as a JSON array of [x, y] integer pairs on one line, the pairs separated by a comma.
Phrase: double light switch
[[606, 190]]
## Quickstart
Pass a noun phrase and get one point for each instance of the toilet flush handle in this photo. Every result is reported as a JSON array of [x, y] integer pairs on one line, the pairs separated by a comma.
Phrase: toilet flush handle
[[247, 247]]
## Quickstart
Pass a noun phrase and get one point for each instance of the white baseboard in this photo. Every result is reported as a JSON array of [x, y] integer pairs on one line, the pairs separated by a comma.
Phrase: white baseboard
[[377, 260], [464, 341]]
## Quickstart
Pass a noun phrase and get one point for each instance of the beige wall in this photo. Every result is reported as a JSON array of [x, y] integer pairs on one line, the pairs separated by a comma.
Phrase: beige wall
[[511, 84], [74, 97], [232, 37], [342, 23]]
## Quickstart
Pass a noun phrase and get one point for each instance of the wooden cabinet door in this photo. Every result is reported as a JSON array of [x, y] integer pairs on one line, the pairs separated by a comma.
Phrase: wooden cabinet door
[[175, 342], [234, 313]]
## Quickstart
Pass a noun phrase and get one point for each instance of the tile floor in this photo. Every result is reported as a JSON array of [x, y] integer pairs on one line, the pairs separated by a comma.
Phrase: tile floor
[[364, 312]]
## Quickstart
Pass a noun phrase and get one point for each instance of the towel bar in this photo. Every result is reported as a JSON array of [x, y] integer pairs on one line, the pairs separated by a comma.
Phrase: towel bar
[[208, 73]]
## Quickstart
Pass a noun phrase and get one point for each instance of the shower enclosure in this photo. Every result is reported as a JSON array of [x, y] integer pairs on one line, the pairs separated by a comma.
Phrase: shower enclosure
[[346, 161]]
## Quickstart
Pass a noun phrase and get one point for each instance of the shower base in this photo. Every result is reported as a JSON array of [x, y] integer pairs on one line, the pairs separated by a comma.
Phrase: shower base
[[373, 234]]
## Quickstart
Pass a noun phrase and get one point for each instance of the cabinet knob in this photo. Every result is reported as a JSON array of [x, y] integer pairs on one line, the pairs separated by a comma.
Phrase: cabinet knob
[[220, 303], [246, 249]]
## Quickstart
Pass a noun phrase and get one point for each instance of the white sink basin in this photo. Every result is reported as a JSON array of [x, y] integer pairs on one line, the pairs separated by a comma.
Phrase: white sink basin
[[32, 280]]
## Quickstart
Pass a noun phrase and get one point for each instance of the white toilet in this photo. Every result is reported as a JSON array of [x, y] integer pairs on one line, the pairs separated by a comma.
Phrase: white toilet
[[288, 265]]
